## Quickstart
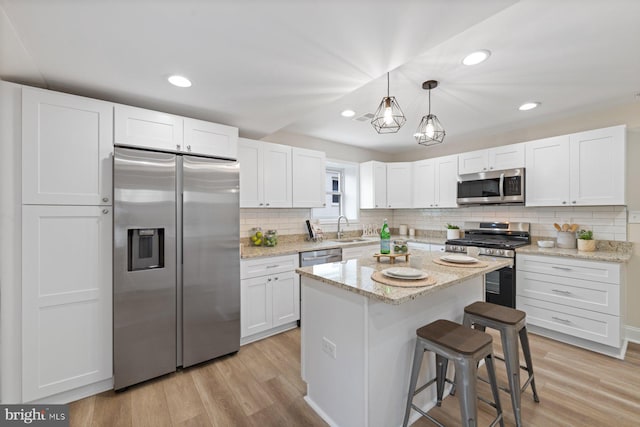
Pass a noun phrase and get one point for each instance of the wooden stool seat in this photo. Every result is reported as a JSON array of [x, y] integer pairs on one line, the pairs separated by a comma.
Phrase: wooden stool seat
[[450, 335], [499, 313]]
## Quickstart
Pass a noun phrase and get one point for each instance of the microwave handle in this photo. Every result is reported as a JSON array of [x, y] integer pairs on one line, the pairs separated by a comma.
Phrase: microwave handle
[[502, 186]]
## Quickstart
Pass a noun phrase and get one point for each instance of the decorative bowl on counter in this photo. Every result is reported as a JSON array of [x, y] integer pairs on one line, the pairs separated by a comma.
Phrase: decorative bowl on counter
[[546, 243]]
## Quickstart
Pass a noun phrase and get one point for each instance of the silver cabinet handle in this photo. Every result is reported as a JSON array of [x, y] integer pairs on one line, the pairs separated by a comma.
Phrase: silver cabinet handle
[[561, 268], [177, 146], [273, 266], [105, 199], [561, 320], [564, 202], [574, 202], [275, 278], [558, 291], [105, 211]]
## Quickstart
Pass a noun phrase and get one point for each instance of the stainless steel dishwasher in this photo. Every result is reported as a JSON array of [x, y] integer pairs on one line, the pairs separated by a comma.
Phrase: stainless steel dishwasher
[[315, 258]]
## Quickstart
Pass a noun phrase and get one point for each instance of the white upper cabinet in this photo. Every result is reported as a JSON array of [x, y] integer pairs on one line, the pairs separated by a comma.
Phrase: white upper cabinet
[[138, 127], [585, 168], [67, 143], [373, 185], [597, 165], [399, 185], [547, 172], [498, 158], [265, 174], [309, 176], [436, 182], [210, 139]]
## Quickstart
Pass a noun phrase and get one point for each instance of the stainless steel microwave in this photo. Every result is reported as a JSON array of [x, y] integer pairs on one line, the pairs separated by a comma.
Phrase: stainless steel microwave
[[493, 187]]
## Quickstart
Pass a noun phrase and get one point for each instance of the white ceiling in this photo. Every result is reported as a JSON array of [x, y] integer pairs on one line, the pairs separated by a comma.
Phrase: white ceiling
[[293, 65]]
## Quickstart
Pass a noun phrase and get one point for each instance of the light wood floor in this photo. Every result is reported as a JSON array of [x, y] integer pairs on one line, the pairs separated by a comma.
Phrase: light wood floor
[[261, 386]]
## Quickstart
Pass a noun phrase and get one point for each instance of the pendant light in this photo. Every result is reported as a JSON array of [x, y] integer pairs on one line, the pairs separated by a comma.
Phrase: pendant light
[[389, 117], [430, 131]]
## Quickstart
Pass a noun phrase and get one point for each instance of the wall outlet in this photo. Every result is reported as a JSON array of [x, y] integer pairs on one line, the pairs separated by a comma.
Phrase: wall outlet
[[634, 217], [328, 347]]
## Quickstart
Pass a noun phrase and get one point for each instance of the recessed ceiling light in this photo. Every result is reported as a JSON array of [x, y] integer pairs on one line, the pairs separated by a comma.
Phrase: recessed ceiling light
[[476, 57], [528, 106], [348, 113], [179, 81]]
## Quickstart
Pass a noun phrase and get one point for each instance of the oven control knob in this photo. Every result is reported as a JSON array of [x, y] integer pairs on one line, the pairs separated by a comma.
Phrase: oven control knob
[[489, 251], [500, 252]]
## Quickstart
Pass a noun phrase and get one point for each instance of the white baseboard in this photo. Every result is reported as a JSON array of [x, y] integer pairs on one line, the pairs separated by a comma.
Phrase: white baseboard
[[76, 394], [632, 333], [270, 332]]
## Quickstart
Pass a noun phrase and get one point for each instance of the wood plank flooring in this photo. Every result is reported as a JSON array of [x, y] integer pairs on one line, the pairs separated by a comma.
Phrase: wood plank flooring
[[261, 386]]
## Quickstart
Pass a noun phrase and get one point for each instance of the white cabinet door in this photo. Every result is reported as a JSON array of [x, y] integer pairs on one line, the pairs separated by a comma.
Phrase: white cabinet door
[[547, 179], [66, 149], [360, 252], [597, 164], [251, 186], [507, 157], [286, 298], [473, 162], [424, 186], [399, 185], [277, 175], [66, 298], [210, 139], [373, 185], [309, 176], [138, 127], [256, 305], [446, 182]]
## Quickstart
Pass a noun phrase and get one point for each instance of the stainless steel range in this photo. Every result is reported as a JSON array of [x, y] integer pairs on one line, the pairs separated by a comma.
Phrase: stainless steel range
[[495, 239]]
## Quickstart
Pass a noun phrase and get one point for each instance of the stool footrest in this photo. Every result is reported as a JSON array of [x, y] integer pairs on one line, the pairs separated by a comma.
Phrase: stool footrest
[[429, 417]]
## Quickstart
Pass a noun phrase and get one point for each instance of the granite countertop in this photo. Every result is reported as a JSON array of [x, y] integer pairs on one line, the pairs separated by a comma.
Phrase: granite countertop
[[295, 246], [608, 251], [355, 276]]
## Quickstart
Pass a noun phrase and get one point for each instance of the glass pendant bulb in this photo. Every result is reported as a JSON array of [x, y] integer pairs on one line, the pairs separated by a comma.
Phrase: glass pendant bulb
[[389, 117], [430, 131], [388, 113]]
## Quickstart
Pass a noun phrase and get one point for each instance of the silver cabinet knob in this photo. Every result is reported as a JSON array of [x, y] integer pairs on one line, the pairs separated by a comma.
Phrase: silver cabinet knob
[[267, 204], [389, 205], [269, 279], [261, 204], [105, 199], [484, 169], [177, 146], [324, 204], [564, 202], [188, 148], [105, 211], [574, 202], [491, 167], [376, 206], [275, 278]]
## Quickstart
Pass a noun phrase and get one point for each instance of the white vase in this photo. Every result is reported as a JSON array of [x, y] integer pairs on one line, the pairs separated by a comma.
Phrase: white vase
[[453, 233]]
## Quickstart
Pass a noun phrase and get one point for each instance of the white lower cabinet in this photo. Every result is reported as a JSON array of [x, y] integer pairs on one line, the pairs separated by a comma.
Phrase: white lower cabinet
[[360, 251], [269, 296], [66, 298], [572, 298]]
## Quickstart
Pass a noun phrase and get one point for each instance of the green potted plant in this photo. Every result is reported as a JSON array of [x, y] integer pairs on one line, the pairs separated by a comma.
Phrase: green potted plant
[[585, 241], [453, 232]]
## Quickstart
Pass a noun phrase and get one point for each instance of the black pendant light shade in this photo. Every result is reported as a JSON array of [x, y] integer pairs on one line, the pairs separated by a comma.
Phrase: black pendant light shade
[[430, 130], [389, 117]]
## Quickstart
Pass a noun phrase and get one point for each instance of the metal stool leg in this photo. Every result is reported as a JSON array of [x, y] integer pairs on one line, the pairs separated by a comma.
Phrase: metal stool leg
[[524, 340], [512, 359], [493, 380], [466, 379], [441, 375], [415, 371]]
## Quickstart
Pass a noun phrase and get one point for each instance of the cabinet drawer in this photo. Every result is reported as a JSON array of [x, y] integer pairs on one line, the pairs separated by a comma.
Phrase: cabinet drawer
[[585, 294], [574, 268], [269, 265], [590, 325]]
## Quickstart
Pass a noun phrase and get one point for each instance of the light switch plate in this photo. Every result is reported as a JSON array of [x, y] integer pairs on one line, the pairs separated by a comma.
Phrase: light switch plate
[[634, 217]]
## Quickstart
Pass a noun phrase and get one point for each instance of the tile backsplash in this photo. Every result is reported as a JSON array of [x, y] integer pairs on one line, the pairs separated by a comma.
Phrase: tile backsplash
[[606, 222]]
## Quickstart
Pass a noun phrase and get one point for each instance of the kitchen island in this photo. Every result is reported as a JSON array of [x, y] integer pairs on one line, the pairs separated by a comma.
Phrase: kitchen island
[[358, 335]]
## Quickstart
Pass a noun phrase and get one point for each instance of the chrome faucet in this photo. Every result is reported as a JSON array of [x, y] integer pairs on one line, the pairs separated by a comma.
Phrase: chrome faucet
[[340, 233]]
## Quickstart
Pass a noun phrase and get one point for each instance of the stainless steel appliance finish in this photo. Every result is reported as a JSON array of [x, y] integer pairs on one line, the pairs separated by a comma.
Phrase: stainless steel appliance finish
[[495, 239], [180, 303], [320, 257], [493, 187]]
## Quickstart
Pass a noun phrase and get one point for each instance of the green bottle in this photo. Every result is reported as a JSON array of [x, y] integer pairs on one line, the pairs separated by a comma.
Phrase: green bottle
[[385, 238]]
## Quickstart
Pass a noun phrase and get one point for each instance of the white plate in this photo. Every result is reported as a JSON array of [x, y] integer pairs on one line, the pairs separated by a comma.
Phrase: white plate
[[459, 259], [422, 275], [404, 272]]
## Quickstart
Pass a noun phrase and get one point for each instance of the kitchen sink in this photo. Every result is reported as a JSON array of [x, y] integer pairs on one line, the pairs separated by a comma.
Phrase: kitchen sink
[[350, 240]]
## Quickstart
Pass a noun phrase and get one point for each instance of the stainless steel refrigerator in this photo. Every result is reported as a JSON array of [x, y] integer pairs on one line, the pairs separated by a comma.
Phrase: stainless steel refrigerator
[[176, 262]]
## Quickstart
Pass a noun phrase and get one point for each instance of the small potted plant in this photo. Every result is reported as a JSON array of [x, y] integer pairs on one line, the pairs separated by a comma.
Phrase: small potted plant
[[453, 232], [585, 241]]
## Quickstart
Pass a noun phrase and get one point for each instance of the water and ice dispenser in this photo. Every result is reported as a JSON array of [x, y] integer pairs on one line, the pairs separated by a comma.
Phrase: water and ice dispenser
[[146, 248]]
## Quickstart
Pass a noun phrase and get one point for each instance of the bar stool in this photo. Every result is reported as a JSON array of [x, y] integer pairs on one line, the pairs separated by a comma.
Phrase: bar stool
[[511, 323], [465, 347]]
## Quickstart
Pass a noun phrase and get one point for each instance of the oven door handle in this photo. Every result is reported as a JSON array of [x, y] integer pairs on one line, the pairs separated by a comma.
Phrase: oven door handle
[[502, 186]]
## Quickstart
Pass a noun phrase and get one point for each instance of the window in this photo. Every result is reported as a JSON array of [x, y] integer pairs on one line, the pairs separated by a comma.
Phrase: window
[[341, 184]]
